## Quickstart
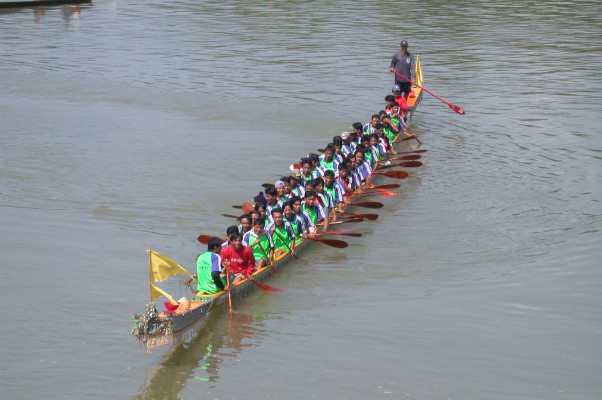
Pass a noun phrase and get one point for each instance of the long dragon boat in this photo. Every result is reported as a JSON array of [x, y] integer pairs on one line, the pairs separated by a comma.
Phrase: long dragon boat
[[184, 317]]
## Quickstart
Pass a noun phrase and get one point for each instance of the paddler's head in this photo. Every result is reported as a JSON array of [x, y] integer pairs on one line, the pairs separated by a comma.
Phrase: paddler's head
[[214, 245], [258, 226], [236, 240], [328, 177]]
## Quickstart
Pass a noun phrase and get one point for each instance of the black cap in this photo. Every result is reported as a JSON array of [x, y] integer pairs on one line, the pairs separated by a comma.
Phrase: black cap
[[404, 43]]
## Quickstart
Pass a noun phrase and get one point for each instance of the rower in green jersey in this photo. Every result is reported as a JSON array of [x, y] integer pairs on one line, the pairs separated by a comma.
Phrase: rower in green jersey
[[299, 228], [325, 198], [390, 127], [260, 241], [209, 268], [336, 192], [328, 161], [282, 234], [315, 210]]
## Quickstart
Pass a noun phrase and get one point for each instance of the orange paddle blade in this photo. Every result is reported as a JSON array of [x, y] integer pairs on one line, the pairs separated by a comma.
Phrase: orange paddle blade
[[247, 207]]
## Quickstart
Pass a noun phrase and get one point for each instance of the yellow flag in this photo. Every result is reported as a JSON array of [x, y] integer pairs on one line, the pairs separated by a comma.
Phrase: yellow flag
[[162, 267], [418, 73], [156, 292]]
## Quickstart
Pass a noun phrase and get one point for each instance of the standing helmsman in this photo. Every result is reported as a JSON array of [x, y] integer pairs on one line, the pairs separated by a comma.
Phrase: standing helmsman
[[403, 63]]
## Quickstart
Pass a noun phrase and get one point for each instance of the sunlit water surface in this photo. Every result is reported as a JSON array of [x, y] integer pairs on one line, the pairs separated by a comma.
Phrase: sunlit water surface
[[133, 125]]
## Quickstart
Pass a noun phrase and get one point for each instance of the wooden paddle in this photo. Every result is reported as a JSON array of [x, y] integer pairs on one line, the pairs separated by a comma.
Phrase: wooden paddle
[[370, 217], [263, 287], [204, 239], [412, 151], [231, 216], [406, 164], [247, 207], [367, 204], [455, 108], [342, 233], [392, 174], [381, 192], [342, 221], [387, 186], [406, 158], [229, 292], [339, 244]]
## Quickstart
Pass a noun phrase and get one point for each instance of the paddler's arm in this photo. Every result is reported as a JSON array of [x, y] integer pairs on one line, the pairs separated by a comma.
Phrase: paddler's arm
[[325, 224], [217, 279], [189, 281]]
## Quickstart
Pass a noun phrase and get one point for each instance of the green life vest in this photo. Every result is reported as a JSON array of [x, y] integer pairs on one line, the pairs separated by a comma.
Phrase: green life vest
[[281, 239], [332, 193], [264, 242], [312, 214]]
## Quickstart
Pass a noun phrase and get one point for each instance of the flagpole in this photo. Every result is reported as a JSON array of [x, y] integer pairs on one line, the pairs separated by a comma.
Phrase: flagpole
[[150, 260]]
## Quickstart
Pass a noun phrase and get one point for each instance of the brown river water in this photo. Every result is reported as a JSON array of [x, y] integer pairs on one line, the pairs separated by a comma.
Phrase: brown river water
[[132, 125]]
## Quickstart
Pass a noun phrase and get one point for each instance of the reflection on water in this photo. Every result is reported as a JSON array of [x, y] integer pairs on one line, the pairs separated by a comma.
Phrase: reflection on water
[[222, 338]]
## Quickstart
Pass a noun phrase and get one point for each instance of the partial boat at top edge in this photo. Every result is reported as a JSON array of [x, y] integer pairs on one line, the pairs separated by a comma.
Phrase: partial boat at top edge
[[154, 329], [39, 3]]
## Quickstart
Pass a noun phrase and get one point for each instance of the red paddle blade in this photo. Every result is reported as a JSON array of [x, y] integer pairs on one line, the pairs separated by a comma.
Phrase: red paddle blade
[[386, 192], [457, 109], [410, 164], [387, 186], [266, 288]]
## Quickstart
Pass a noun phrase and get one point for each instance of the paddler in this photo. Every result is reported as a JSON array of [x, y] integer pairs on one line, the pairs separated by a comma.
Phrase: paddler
[[370, 127], [260, 242], [271, 196], [308, 224], [315, 210], [400, 100], [282, 234], [348, 146], [327, 160], [238, 259], [296, 222], [246, 223], [362, 168], [209, 268], [333, 187], [325, 198]]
